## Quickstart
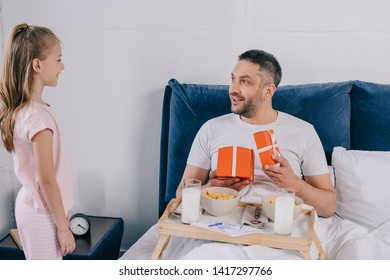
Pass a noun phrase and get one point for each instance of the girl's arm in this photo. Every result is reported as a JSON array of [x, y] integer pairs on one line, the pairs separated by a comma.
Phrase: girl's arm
[[43, 150]]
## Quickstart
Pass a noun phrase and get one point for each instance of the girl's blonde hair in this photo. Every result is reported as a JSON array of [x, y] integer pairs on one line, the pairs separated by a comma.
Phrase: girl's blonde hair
[[24, 44]]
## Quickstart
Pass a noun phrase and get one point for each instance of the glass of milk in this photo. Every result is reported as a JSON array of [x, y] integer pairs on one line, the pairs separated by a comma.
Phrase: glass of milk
[[190, 201], [284, 212]]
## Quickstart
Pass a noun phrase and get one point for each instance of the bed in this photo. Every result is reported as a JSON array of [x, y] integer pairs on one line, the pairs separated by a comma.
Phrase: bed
[[352, 121]]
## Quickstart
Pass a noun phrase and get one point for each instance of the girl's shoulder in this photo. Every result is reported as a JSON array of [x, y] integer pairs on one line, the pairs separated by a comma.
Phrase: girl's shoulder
[[33, 109], [34, 114]]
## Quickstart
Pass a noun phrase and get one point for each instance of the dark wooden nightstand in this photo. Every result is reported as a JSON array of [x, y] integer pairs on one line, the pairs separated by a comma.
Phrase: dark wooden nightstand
[[103, 243]]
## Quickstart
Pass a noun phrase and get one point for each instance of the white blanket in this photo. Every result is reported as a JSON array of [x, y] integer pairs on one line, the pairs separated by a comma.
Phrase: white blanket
[[348, 241], [341, 239]]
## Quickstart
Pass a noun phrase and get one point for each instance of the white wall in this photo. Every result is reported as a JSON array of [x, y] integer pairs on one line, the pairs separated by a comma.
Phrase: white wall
[[120, 54]]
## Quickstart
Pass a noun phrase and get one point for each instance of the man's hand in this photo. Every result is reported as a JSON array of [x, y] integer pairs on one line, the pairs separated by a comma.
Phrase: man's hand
[[283, 175], [233, 183]]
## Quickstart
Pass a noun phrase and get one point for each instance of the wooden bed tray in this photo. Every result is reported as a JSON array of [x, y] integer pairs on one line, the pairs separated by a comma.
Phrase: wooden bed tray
[[169, 225]]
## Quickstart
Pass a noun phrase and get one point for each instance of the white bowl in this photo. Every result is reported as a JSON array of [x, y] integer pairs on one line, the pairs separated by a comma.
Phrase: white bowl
[[217, 207], [268, 205]]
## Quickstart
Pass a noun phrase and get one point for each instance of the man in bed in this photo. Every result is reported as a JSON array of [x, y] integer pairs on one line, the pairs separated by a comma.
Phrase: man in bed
[[303, 167]]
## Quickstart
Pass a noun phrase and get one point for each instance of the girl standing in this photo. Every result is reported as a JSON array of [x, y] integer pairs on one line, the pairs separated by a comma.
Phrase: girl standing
[[32, 60]]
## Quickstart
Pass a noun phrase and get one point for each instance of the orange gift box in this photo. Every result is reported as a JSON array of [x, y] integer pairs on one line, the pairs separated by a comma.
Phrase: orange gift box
[[266, 146], [234, 161]]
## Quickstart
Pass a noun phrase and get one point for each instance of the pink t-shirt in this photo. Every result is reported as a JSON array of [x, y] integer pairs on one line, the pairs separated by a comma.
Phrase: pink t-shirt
[[31, 119]]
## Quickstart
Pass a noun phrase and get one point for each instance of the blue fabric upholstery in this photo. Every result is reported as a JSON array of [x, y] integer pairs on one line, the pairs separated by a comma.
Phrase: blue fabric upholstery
[[327, 106], [185, 108], [370, 118], [320, 105]]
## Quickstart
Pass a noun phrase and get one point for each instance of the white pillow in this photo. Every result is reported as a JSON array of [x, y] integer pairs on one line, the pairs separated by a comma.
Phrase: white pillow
[[362, 186]]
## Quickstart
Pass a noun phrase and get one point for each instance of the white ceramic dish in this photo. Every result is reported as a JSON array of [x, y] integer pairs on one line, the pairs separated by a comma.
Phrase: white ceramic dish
[[218, 207], [268, 205]]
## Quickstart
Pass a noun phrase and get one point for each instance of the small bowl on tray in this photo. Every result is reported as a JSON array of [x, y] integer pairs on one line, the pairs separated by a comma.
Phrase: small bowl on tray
[[219, 201]]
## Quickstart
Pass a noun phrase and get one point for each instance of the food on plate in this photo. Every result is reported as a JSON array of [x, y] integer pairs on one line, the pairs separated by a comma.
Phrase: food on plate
[[272, 201], [220, 196]]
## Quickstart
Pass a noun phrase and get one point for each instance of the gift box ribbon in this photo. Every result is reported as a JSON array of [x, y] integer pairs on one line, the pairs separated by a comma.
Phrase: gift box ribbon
[[273, 145], [235, 161], [266, 146]]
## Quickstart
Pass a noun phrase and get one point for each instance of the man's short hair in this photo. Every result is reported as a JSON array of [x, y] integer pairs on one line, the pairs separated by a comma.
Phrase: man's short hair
[[266, 61]]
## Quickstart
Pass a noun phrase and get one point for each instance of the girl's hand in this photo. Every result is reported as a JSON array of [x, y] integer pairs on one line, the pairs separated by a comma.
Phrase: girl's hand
[[67, 242], [233, 183]]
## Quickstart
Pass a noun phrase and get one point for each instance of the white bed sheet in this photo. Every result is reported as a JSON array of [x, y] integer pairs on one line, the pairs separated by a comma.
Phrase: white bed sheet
[[341, 239], [350, 241]]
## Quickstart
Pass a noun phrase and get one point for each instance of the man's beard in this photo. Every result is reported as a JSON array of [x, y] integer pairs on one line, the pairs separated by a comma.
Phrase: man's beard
[[248, 110]]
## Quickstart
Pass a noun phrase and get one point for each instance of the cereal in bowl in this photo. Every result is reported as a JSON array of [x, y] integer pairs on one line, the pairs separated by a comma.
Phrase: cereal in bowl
[[220, 196]]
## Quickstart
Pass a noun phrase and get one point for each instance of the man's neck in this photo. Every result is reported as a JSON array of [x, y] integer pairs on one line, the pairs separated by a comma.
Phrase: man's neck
[[262, 118]]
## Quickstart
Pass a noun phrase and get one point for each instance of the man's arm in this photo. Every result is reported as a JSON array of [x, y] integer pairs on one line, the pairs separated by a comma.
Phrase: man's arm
[[193, 172], [316, 191]]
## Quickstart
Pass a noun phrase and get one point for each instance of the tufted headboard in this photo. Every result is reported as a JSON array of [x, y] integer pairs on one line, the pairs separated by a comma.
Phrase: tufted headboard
[[351, 114]]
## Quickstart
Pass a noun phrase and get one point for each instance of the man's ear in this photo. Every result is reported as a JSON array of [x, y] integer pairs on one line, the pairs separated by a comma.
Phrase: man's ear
[[36, 64], [269, 91]]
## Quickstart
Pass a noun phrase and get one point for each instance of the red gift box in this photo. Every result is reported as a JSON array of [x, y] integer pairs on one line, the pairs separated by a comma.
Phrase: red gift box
[[234, 161], [267, 146]]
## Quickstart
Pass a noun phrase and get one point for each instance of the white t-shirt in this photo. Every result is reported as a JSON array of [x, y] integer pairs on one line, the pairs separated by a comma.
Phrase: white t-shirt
[[297, 140]]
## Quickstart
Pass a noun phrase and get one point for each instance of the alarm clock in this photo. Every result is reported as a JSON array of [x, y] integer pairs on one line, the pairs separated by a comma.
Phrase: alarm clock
[[80, 225]]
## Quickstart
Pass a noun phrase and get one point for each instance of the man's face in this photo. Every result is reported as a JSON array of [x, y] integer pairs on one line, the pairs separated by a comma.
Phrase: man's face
[[246, 89]]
